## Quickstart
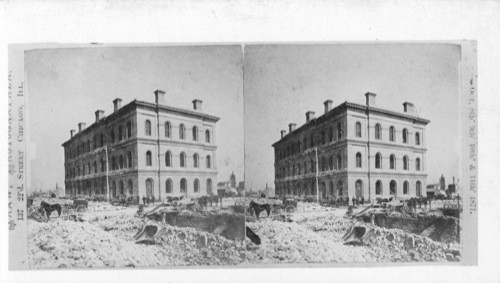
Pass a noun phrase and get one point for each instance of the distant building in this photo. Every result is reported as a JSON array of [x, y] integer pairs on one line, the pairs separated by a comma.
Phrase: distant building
[[233, 180], [353, 150], [141, 149]]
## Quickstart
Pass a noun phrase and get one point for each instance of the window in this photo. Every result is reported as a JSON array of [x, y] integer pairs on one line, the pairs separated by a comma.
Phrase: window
[[417, 164], [339, 131], [182, 134], [121, 161], [195, 160], [418, 188], [378, 161], [149, 187], [120, 133], [95, 167], [94, 142], [313, 169], [103, 165], [392, 161], [378, 132], [339, 161], [331, 162], [112, 136], [209, 186], [323, 137], [323, 163], [305, 143], [392, 134], [207, 136], [122, 188], [183, 159], [183, 186], [149, 161], [129, 159], [358, 160], [168, 186], [168, 159], [147, 128], [113, 163], [299, 169], [129, 129], [405, 136], [378, 187], [209, 163], [196, 185], [405, 163], [168, 130], [195, 133], [102, 139], [393, 188], [130, 188], [405, 187], [417, 138], [330, 135], [311, 142], [305, 167], [88, 145], [358, 129]]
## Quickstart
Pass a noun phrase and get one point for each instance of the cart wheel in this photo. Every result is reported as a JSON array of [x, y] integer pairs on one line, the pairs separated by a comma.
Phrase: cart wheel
[[81, 209], [290, 209]]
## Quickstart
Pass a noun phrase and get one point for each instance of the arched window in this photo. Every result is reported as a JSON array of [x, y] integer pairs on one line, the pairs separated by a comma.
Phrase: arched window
[[358, 160], [330, 135], [168, 186], [313, 166], [209, 163], [88, 145], [112, 136], [95, 167], [209, 187], [340, 188], [405, 136], [392, 161], [168, 159], [323, 163], [299, 169], [149, 187], [311, 142], [103, 165], [331, 162], [339, 161], [183, 186], [323, 137], [148, 127], [183, 159], [378, 132], [418, 188], [113, 163], [122, 188], [358, 186], [207, 136], [195, 160], [102, 139], [129, 129], [393, 188], [113, 189], [130, 188], [392, 134], [417, 138], [120, 133], [378, 161], [195, 133], [196, 185], [168, 130], [94, 142], [405, 187], [121, 161], [182, 132], [358, 129], [417, 164], [304, 143], [405, 163], [339, 131], [149, 160], [129, 159], [305, 167], [378, 187]]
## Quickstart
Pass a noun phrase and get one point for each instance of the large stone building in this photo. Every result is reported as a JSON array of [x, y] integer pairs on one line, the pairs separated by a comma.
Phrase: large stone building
[[143, 149], [353, 150]]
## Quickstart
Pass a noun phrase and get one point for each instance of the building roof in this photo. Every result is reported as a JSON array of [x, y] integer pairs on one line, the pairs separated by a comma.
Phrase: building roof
[[149, 106], [358, 108]]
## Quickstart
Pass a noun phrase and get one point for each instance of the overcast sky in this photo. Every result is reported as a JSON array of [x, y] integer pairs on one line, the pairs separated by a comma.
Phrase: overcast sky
[[66, 86], [283, 82]]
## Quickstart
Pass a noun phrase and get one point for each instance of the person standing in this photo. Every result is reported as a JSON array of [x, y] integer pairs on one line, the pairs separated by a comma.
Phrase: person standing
[[353, 201], [153, 199], [144, 199]]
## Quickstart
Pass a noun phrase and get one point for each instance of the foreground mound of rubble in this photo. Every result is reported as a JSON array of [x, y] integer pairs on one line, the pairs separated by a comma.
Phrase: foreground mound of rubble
[[109, 242]]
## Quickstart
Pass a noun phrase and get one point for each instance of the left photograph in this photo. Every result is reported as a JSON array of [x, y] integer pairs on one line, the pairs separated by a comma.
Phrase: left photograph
[[133, 156]]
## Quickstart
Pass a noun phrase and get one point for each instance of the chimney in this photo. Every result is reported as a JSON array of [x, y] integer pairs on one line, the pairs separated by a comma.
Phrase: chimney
[[159, 96], [117, 103], [328, 105], [197, 104], [409, 108], [283, 133], [72, 133], [309, 116], [99, 114], [81, 126], [370, 99], [291, 127]]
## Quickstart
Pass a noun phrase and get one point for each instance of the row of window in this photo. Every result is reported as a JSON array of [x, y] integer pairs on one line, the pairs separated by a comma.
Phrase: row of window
[[392, 133], [182, 131], [182, 160], [117, 162], [393, 162], [183, 185]]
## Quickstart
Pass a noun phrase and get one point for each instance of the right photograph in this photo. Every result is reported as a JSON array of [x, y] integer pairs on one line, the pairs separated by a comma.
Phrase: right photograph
[[353, 153]]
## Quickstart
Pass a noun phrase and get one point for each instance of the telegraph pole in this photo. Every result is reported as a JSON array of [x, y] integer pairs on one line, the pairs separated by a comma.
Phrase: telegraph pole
[[107, 173], [317, 174]]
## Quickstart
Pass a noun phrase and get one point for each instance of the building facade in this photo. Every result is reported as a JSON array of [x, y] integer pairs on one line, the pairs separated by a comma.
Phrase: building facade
[[143, 149], [353, 150]]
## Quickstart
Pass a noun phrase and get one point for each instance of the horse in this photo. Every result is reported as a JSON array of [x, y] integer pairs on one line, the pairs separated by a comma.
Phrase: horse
[[48, 208], [258, 208]]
